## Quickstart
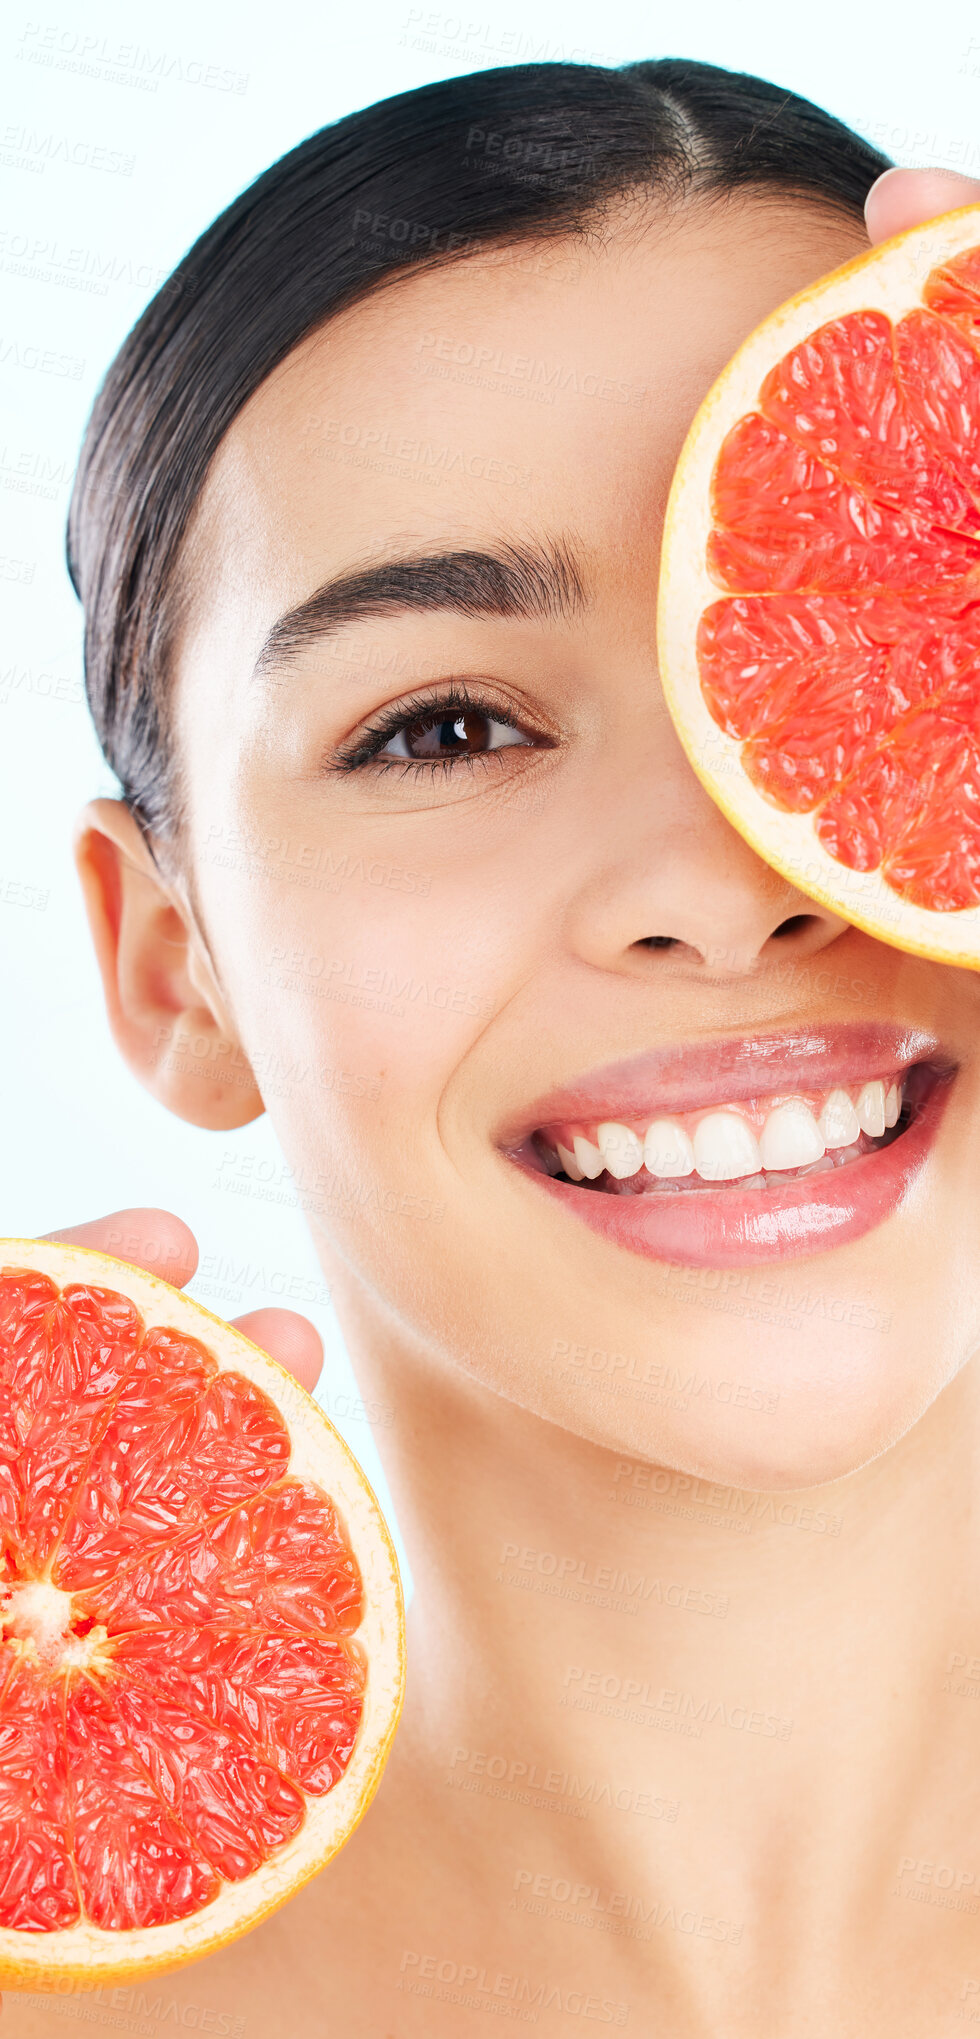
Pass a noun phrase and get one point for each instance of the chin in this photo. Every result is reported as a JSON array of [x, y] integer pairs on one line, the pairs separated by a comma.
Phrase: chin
[[747, 1395]]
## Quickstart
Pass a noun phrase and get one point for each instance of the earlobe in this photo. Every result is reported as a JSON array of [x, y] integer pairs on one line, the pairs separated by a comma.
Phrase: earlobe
[[165, 1010]]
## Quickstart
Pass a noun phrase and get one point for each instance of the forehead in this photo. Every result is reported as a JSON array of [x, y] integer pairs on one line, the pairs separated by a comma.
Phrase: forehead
[[547, 385]]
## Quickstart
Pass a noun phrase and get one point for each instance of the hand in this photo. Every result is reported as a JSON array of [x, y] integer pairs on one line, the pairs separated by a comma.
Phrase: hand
[[165, 1246], [907, 198]]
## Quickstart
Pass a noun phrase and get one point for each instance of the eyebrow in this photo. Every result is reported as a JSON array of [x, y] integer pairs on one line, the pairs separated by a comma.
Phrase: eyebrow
[[531, 581]]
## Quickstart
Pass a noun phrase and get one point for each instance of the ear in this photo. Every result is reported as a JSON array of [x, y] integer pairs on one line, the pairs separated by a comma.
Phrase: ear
[[163, 1002]]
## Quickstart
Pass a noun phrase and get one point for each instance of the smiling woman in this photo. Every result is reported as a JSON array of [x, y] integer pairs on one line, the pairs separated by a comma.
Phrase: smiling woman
[[651, 1214]]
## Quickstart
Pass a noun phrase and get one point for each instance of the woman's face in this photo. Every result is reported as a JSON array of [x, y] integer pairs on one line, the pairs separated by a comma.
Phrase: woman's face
[[425, 931]]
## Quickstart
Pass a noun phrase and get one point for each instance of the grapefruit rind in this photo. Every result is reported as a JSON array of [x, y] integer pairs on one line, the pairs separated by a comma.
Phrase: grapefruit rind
[[85, 1954], [888, 279]]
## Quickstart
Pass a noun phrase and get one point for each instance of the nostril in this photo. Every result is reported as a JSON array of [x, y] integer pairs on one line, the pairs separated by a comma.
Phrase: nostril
[[657, 942], [795, 925]]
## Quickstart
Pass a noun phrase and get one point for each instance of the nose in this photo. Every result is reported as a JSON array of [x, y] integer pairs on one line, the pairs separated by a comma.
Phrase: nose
[[677, 879]]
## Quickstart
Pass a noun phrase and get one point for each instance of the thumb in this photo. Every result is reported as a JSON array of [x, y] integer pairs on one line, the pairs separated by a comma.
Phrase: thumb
[[289, 1338], [899, 199]]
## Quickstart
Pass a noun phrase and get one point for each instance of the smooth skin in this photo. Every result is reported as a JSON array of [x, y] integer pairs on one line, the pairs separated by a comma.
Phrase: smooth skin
[[821, 1652]]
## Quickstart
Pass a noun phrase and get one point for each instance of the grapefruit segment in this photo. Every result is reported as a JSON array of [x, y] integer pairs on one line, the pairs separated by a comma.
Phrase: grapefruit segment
[[819, 613], [939, 372], [288, 1697], [134, 1862], [201, 1625], [277, 1562], [37, 1882], [233, 1804], [953, 288], [179, 1445], [784, 520], [839, 396]]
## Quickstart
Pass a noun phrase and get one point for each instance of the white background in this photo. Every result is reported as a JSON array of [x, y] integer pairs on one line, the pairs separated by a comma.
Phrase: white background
[[186, 104]]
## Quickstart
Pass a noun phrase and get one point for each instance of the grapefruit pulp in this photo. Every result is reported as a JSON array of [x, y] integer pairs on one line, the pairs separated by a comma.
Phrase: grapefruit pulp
[[819, 600], [201, 1626]]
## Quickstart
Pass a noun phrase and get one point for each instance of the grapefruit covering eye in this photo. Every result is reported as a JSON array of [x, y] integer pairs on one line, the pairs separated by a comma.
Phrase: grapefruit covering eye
[[201, 1626], [819, 609]]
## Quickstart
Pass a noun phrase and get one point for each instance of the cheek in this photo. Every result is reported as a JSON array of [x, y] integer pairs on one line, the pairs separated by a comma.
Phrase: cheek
[[359, 985]]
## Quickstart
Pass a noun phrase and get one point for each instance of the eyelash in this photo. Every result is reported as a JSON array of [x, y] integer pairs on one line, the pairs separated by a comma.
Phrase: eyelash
[[430, 708]]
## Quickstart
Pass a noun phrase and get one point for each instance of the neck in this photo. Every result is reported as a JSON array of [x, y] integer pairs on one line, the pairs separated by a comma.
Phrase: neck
[[709, 1673]]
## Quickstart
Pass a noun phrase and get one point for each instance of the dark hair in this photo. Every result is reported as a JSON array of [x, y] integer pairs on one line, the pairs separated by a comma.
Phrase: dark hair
[[426, 176]]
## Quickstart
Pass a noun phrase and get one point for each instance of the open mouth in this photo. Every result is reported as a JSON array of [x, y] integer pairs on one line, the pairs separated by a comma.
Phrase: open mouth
[[753, 1150], [759, 1144]]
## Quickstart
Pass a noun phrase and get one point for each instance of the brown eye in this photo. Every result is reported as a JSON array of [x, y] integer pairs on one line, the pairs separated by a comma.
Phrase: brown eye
[[463, 732], [429, 738]]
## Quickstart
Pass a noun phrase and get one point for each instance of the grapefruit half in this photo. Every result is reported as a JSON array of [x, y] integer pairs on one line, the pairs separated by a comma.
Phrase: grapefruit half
[[819, 599], [201, 1626]]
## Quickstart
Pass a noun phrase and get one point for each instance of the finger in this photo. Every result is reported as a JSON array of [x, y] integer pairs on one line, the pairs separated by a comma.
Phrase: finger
[[290, 1338], [163, 1245], [154, 1240], [905, 198]]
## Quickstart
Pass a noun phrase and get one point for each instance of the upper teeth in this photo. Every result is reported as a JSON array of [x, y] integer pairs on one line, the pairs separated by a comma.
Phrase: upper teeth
[[725, 1146], [586, 1159], [621, 1149], [667, 1149], [792, 1136], [723, 1143], [839, 1122]]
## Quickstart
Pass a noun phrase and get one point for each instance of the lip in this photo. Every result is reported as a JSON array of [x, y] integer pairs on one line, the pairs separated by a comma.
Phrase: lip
[[729, 1227], [684, 1078]]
